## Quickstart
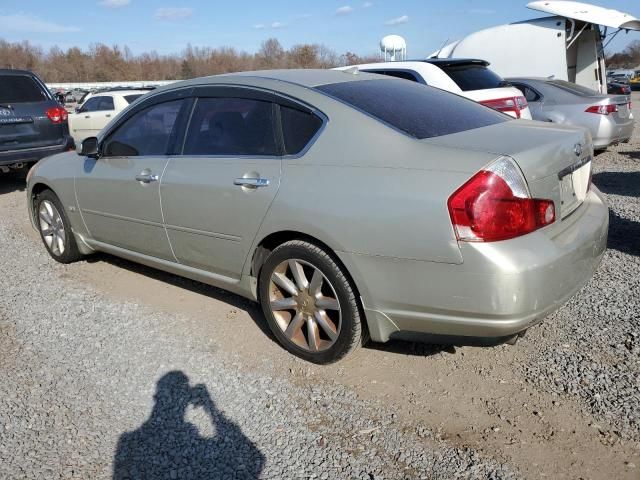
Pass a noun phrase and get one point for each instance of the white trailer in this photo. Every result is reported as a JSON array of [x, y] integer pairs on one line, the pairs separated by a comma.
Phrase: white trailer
[[568, 45]]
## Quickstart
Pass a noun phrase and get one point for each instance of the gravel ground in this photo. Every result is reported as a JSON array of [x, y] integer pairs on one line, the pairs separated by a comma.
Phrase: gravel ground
[[95, 386], [594, 352]]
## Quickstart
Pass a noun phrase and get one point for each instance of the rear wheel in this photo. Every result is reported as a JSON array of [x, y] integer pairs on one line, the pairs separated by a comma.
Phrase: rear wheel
[[309, 303], [55, 229]]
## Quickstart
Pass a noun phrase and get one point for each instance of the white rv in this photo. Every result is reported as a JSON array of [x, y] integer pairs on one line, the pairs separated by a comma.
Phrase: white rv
[[567, 46]]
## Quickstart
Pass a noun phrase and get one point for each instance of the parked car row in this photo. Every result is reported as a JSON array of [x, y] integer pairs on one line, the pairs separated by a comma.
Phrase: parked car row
[[350, 205]]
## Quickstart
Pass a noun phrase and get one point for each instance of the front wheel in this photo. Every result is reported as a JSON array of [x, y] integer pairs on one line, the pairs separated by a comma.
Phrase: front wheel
[[55, 229], [309, 303]]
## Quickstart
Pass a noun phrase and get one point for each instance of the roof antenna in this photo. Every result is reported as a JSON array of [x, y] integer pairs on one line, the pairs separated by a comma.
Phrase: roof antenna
[[352, 70], [440, 49]]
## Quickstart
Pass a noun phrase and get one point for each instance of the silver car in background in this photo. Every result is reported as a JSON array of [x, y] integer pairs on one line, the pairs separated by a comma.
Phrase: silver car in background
[[351, 206], [608, 117]]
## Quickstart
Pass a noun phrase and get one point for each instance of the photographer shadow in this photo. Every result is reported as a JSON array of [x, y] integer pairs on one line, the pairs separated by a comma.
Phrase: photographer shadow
[[167, 446]]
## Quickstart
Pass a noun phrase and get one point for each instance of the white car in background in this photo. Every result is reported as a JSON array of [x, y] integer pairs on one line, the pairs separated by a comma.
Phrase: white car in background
[[97, 111], [466, 77]]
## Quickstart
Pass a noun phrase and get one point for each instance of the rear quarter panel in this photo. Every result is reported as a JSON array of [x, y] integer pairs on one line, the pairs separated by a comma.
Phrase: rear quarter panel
[[364, 188]]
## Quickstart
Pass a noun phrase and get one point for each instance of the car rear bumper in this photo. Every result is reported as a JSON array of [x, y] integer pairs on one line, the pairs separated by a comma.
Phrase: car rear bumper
[[32, 155], [500, 289], [609, 132]]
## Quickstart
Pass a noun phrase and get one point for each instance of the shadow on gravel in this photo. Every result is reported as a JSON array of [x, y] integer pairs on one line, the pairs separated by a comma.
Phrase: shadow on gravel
[[232, 299], [12, 182], [618, 183], [166, 446], [413, 349], [624, 234], [635, 155]]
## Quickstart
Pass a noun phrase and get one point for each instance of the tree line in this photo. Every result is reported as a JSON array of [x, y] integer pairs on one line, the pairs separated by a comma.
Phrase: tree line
[[102, 63], [627, 58]]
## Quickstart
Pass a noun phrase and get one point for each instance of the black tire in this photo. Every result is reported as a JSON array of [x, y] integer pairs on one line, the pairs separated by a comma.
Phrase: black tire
[[71, 253], [351, 334]]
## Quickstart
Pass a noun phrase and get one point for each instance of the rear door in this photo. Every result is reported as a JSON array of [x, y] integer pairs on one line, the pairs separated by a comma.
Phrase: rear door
[[119, 193], [216, 194], [24, 123]]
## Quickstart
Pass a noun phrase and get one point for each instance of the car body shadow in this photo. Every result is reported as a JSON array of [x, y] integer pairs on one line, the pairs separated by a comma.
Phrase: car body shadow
[[624, 234], [12, 182], [167, 446], [618, 183], [236, 301]]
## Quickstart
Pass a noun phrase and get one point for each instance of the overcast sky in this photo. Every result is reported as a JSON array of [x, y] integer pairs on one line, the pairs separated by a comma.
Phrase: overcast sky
[[357, 26]]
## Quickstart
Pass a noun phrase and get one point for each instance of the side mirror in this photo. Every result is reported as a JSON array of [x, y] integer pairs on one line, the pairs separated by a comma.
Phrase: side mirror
[[78, 109], [89, 147]]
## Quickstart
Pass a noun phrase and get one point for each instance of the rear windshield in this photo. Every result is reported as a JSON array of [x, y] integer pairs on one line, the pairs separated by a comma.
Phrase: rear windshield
[[575, 88], [473, 77], [417, 110], [20, 89], [132, 98]]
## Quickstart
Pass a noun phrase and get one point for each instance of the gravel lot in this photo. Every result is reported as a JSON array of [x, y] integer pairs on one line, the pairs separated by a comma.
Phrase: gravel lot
[[111, 370]]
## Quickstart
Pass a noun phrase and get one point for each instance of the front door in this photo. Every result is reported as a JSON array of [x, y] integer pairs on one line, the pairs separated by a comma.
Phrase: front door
[[119, 193], [216, 194]]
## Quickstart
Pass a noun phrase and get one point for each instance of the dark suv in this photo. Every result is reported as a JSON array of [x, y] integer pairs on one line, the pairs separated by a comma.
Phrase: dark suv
[[32, 124]]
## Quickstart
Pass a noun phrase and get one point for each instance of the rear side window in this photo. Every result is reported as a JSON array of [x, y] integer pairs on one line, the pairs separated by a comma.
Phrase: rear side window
[[132, 98], [148, 132], [298, 128], [231, 127], [473, 77], [20, 89], [417, 110], [530, 94]]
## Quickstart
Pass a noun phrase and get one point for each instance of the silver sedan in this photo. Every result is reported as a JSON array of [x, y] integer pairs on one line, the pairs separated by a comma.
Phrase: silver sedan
[[350, 205], [608, 117]]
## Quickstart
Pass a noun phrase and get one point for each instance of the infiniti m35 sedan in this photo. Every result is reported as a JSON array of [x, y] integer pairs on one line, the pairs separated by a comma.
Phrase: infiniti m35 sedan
[[352, 206]]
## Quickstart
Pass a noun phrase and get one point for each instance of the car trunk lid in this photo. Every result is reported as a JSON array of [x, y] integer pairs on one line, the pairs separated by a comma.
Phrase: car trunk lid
[[555, 160]]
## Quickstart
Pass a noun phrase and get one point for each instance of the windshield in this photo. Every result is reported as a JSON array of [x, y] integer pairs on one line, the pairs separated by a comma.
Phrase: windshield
[[20, 89], [473, 77], [417, 110]]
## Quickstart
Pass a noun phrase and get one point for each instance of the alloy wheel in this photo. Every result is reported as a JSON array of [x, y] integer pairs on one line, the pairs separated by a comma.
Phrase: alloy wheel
[[52, 227], [305, 305]]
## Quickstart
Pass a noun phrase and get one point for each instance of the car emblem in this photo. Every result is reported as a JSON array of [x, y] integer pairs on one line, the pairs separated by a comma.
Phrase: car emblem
[[5, 112], [577, 149]]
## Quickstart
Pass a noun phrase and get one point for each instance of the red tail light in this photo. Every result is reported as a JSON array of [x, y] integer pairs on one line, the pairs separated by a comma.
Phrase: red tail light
[[57, 114], [496, 205], [506, 105], [602, 109]]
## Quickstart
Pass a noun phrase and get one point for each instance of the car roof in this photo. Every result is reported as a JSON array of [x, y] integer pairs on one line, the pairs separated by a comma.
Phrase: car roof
[[120, 92], [454, 62], [308, 78], [11, 71]]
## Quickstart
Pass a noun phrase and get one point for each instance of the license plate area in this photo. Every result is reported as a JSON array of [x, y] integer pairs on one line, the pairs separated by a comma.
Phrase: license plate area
[[623, 110], [15, 120], [574, 185]]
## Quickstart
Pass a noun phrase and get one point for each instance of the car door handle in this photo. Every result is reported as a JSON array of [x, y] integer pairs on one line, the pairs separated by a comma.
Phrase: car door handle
[[87, 116], [108, 115], [251, 182], [147, 178]]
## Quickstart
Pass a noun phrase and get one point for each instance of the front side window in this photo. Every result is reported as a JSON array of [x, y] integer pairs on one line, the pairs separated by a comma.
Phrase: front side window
[[105, 103], [91, 105], [148, 132], [132, 98], [231, 127]]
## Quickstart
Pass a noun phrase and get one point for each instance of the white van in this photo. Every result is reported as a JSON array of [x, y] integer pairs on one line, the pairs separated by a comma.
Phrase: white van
[[567, 46]]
